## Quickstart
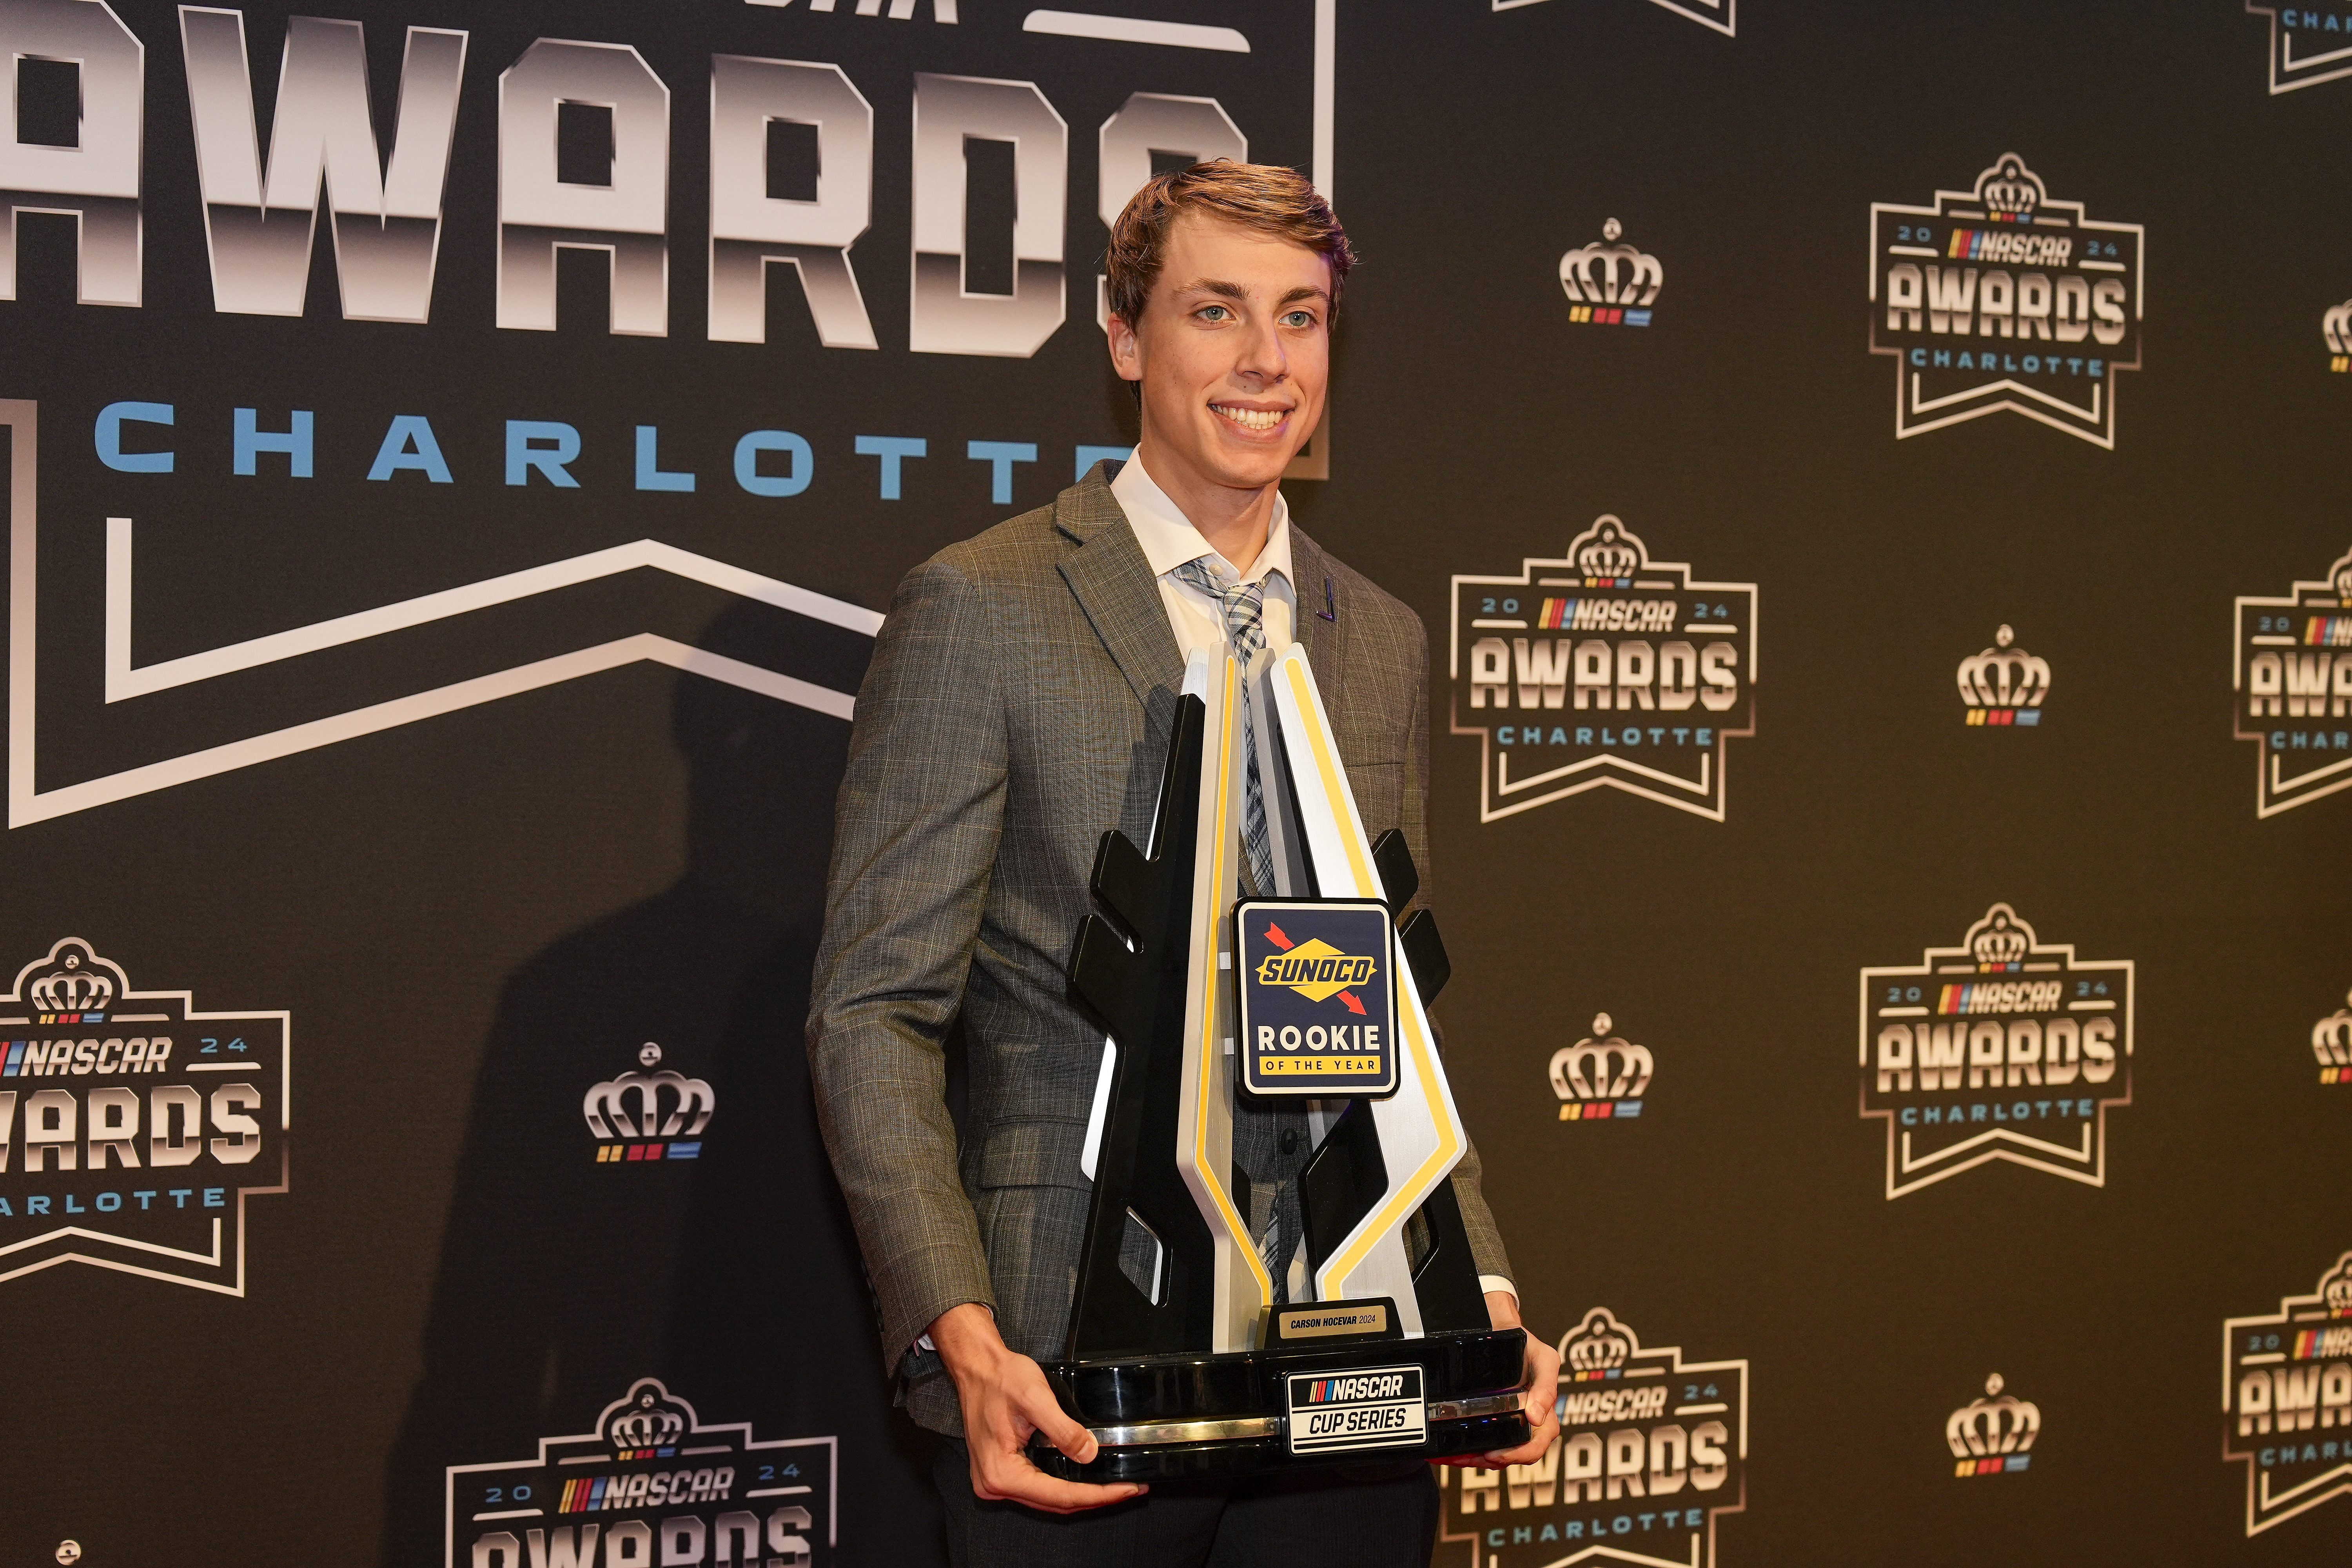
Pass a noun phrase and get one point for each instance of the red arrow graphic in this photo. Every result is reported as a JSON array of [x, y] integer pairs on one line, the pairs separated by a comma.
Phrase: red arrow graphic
[[1353, 1005], [1274, 934]]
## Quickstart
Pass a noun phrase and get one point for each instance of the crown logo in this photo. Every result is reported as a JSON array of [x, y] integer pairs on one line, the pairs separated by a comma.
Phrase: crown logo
[[2339, 576], [605, 1105], [2010, 190], [647, 1416], [2000, 937], [72, 979], [2336, 1287], [2337, 324], [2003, 676], [1599, 1345], [1606, 551], [2002, 1424], [1589, 273], [2331, 1037], [1600, 1067]]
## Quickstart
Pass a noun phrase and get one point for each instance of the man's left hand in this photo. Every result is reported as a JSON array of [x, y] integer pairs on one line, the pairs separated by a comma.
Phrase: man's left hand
[[1541, 1396]]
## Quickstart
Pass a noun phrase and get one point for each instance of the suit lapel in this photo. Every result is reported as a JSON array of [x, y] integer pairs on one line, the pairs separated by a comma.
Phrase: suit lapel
[[1115, 585], [1321, 636]]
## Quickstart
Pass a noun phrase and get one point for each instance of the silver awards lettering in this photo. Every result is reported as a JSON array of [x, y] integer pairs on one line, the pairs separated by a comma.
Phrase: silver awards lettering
[[2286, 1400], [1602, 669], [2000, 297], [2004, 1048], [2291, 671], [138, 1124], [648, 1482], [1651, 1453]]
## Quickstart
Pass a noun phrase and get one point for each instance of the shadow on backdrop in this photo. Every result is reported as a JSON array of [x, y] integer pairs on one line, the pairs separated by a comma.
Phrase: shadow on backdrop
[[724, 1264]]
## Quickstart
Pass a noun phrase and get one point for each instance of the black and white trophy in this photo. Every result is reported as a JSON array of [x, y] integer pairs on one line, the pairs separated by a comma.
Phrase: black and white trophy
[[1179, 1358]]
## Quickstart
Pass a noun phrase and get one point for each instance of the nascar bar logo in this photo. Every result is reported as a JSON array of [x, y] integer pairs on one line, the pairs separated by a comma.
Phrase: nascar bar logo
[[2307, 46], [1653, 1450], [626, 1114], [133, 1127], [1603, 667], [650, 1483], [2002, 686], [1317, 997], [2335, 326], [1602, 1078], [2331, 1042], [2004, 1048], [1992, 1435], [1999, 298], [2292, 673], [1610, 284], [2286, 1400]]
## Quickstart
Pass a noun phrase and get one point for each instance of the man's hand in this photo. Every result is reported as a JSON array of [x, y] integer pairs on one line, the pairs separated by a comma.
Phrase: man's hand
[[1005, 1398], [1541, 1398]]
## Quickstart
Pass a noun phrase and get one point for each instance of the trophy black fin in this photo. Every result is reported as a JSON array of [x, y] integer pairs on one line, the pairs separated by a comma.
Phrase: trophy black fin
[[1446, 1280], [1399, 879], [1425, 950], [1129, 975], [1344, 1178]]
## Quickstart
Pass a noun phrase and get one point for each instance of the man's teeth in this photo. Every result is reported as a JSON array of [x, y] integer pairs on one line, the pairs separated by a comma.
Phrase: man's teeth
[[1251, 418]]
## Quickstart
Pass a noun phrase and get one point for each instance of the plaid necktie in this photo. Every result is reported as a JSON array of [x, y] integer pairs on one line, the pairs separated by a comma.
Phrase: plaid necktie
[[1244, 605]]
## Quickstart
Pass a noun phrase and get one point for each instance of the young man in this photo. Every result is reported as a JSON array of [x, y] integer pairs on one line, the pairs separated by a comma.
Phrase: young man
[[1018, 705]]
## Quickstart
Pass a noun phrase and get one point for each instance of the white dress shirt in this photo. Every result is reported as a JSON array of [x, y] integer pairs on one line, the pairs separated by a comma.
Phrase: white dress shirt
[[1169, 540]]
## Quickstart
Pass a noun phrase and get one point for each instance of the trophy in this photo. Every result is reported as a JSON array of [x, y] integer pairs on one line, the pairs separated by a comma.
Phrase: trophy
[[1179, 1358]]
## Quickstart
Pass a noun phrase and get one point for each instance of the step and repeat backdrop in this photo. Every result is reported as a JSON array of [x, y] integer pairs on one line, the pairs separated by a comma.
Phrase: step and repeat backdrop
[[1873, 478]]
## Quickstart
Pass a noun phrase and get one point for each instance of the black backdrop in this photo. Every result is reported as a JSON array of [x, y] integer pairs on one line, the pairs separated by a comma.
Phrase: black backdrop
[[472, 915]]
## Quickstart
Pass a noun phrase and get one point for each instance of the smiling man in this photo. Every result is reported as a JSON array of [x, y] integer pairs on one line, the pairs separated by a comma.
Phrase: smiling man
[[1018, 706]]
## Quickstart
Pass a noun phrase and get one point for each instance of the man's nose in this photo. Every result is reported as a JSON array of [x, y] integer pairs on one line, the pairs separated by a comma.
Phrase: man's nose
[[1262, 355]]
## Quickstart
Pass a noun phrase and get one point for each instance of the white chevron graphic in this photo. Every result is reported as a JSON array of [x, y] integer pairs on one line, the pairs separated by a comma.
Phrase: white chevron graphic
[[29, 804]]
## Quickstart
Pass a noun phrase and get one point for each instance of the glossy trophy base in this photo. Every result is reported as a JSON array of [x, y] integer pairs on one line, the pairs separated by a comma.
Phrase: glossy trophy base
[[1247, 1412]]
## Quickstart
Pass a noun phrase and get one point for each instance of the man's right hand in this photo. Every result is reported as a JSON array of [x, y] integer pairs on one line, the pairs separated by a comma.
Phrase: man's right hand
[[1005, 1398]]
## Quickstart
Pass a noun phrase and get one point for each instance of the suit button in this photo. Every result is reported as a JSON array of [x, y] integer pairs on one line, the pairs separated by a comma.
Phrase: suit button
[[1290, 1140]]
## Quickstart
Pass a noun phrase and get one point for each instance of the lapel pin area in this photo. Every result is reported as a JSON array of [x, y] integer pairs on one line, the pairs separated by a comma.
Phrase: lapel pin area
[[1330, 611]]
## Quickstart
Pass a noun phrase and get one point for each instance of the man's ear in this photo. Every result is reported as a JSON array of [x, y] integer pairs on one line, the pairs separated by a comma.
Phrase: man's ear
[[1126, 352]]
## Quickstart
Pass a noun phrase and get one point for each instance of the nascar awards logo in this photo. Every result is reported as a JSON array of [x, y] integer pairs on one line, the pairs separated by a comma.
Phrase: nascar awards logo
[[2335, 326], [1652, 1451], [2292, 675], [649, 1483], [133, 1126], [1603, 667], [2003, 686], [625, 1112], [2004, 1048], [1603, 1077], [2286, 1400], [2331, 1042], [1610, 284], [2307, 46], [1992, 1435], [2000, 297]]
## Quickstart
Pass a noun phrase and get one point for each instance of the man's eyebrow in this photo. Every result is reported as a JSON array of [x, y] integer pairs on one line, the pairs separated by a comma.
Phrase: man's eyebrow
[[1303, 292], [1215, 286]]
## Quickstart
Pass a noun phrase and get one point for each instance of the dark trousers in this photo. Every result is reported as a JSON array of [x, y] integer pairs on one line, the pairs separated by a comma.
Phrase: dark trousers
[[1375, 1516]]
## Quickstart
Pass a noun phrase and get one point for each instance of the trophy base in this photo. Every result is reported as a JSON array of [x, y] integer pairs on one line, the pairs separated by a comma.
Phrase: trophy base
[[1290, 1405]]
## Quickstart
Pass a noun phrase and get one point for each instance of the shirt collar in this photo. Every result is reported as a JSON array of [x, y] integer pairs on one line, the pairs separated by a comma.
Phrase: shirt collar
[[1170, 540]]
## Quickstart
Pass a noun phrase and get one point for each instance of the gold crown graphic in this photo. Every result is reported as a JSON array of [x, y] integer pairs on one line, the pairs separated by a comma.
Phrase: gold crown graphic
[[2331, 1037], [1591, 272], [2009, 189], [1599, 1345], [2000, 937], [605, 1105], [1606, 550], [2336, 1285], [2006, 1425], [647, 1418], [73, 982], [1583, 1070], [2340, 576], [2004, 676]]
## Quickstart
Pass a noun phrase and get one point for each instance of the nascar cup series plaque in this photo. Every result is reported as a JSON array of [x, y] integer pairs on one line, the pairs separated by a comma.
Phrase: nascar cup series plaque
[[1182, 1357]]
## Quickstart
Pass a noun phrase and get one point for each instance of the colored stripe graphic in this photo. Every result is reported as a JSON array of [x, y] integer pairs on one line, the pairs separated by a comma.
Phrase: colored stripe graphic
[[2327, 631]]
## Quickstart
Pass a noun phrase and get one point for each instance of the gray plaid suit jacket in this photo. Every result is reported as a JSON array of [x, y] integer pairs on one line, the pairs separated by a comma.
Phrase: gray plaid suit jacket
[[1018, 705]]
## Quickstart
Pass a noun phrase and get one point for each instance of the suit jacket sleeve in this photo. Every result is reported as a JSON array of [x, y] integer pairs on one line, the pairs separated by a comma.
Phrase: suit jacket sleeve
[[1477, 1219], [921, 809]]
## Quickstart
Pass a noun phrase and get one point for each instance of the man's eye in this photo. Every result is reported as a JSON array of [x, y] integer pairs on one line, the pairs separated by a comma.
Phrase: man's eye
[[1299, 319], [1214, 313]]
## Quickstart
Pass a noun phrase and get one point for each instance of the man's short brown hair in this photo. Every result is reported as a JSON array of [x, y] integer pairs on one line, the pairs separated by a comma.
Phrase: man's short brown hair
[[1264, 197]]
